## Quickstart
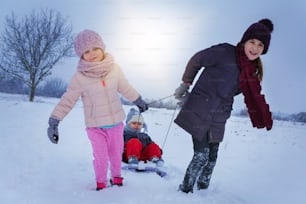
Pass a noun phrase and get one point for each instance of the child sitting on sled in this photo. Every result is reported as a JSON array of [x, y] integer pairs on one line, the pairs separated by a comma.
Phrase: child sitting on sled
[[138, 145]]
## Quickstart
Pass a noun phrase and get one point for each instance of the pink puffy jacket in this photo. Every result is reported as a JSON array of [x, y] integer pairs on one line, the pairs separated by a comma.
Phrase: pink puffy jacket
[[100, 95]]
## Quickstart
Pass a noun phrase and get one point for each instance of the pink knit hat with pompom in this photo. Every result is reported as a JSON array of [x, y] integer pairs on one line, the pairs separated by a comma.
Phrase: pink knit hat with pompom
[[87, 39]]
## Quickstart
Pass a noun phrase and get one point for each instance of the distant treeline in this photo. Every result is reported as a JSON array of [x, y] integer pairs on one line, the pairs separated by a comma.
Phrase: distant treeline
[[55, 87], [298, 117]]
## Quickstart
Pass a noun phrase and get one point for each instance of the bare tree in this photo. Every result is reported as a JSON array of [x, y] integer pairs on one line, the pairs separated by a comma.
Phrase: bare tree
[[30, 47]]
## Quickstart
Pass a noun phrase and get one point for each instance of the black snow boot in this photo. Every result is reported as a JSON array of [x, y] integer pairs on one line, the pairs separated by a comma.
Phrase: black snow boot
[[205, 175], [199, 160], [204, 178]]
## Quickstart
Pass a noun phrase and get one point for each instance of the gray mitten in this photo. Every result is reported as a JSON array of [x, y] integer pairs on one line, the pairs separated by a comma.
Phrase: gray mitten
[[181, 91], [144, 138], [183, 99], [53, 130], [141, 104]]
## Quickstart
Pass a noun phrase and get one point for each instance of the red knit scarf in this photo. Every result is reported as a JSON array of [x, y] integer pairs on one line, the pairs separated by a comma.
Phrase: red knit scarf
[[258, 109]]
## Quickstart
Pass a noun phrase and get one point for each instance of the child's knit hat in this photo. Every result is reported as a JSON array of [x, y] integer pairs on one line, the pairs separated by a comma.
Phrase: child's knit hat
[[134, 116], [87, 39], [260, 30]]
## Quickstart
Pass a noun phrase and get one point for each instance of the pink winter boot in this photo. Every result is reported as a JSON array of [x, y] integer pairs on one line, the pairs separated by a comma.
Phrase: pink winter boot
[[117, 181], [100, 186]]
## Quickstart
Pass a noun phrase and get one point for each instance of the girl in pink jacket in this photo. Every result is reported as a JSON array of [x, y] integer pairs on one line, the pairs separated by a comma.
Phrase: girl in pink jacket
[[98, 81]]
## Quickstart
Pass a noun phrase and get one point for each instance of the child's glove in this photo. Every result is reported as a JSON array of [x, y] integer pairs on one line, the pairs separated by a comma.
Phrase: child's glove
[[183, 99], [53, 130], [141, 104], [181, 91], [144, 138]]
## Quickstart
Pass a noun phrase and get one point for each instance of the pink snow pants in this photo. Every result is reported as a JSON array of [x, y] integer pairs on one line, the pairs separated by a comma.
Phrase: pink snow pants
[[107, 145]]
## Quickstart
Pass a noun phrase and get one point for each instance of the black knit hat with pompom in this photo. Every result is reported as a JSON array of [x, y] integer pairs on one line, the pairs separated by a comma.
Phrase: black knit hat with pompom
[[260, 30]]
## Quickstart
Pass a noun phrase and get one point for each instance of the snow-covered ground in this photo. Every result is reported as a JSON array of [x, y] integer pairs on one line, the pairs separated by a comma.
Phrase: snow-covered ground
[[254, 166]]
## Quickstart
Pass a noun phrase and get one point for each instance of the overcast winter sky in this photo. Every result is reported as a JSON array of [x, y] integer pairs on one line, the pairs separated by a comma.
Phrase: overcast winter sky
[[153, 40]]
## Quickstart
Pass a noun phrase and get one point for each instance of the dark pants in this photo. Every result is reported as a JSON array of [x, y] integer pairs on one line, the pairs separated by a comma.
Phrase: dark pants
[[199, 146], [206, 170], [201, 166]]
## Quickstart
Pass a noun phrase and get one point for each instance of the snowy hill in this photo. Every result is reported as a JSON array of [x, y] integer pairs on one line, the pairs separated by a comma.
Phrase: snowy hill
[[254, 166]]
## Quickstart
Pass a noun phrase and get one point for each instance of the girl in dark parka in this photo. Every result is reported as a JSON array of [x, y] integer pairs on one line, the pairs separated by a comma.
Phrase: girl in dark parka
[[229, 70]]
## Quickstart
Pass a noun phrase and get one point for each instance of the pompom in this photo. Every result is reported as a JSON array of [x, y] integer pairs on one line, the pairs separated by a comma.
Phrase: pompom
[[268, 23]]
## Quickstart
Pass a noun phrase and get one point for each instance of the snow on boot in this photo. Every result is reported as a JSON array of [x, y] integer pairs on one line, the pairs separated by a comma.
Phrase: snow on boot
[[199, 160], [205, 176], [158, 161], [118, 181], [133, 161], [185, 189]]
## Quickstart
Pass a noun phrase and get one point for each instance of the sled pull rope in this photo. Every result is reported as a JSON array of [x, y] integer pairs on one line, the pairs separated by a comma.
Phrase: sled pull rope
[[169, 127], [144, 126], [160, 99]]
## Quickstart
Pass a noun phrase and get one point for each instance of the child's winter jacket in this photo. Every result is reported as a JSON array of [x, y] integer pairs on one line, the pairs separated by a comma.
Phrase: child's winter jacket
[[99, 85]]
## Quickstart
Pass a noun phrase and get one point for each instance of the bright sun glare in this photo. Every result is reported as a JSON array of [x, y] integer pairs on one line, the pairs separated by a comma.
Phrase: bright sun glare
[[151, 43], [148, 40]]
